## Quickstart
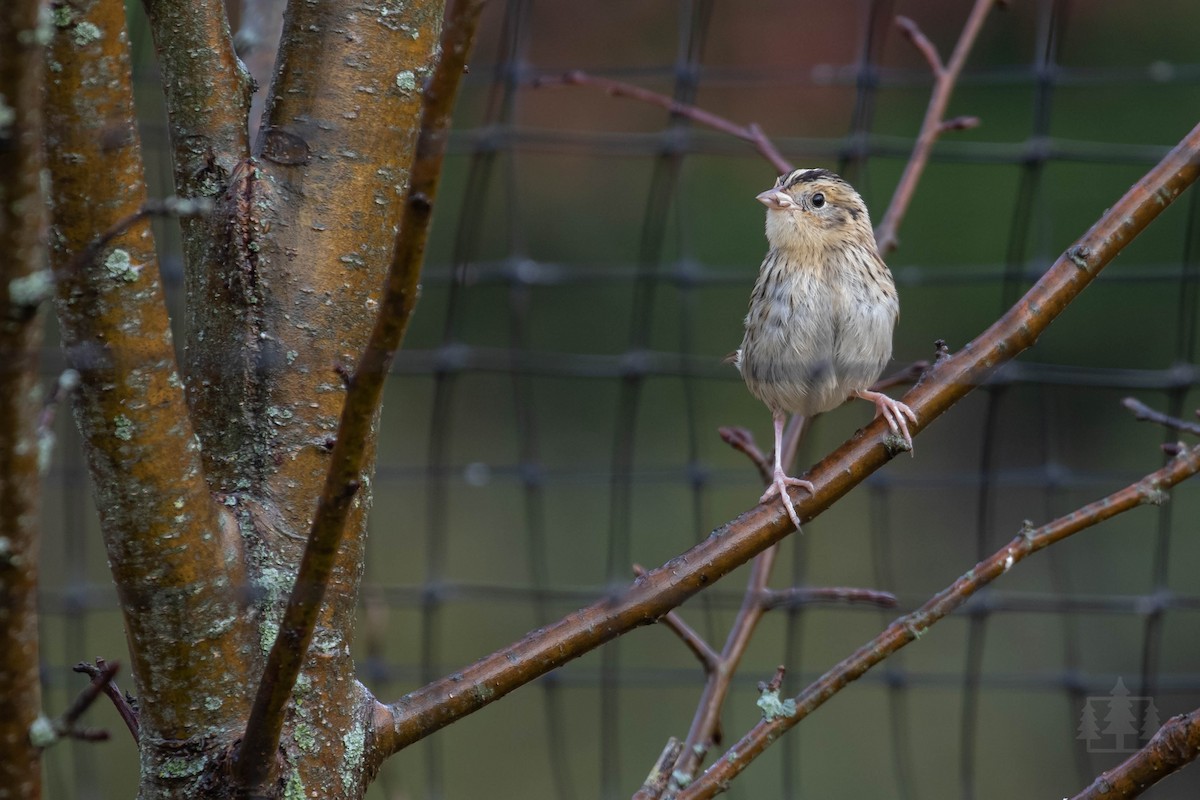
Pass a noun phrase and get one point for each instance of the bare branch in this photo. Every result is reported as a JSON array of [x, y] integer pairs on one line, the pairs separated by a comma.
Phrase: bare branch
[[207, 91], [749, 133], [122, 702], [1149, 490], [934, 125], [919, 40], [254, 762], [660, 774], [799, 596], [22, 235], [701, 649], [742, 440], [1144, 413], [164, 536], [440, 703], [1173, 747]]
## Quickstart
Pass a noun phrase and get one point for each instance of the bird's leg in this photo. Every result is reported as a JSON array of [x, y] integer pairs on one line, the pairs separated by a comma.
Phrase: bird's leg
[[780, 481], [891, 410]]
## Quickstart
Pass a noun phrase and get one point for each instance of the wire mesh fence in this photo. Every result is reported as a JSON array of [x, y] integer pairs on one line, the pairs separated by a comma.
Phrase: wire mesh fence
[[552, 420]]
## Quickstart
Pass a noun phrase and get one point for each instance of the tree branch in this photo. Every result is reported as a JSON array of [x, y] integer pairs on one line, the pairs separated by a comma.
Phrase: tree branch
[[22, 237], [1173, 747], [935, 123], [207, 95], [709, 658], [122, 703], [1144, 413], [807, 595], [254, 762], [908, 628], [173, 558], [436, 705], [749, 133]]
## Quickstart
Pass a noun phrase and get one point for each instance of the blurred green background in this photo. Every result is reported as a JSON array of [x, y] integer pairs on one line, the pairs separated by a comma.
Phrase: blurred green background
[[553, 417]]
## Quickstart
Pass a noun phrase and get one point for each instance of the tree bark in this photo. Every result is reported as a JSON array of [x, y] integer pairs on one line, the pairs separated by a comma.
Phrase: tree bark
[[24, 284]]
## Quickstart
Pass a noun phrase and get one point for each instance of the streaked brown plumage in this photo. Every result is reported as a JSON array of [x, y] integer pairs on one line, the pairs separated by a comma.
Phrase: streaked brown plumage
[[819, 328]]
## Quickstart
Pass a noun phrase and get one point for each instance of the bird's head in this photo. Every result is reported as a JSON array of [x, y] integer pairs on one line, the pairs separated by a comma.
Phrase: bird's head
[[814, 208]]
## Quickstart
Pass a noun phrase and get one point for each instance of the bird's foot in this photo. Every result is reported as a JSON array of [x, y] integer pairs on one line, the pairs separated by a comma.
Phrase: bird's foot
[[896, 413], [779, 486]]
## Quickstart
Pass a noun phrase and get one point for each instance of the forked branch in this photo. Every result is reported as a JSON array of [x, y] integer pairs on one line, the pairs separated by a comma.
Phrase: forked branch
[[908, 628], [945, 76]]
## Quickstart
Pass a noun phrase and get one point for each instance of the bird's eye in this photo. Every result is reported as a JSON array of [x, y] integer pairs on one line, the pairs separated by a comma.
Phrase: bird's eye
[[818, 200]]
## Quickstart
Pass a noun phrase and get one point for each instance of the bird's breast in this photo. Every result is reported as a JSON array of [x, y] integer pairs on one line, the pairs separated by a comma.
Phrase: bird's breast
[[813, 336]]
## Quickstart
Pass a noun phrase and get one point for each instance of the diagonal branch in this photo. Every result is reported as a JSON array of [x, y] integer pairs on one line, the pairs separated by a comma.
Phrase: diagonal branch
[[123, 703], [908, 628], [254, 762], [935, 123], [436, 705], [1173, 747], [747, 133]]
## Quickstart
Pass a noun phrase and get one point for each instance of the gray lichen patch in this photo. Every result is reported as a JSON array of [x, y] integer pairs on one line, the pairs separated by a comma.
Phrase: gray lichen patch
[[123, 428], [8, 115], [42, 733], [119, 265], [305, 737], [85, 33], [406, 82], [294, 788], [353, 740], [774, 708], [29, 290]]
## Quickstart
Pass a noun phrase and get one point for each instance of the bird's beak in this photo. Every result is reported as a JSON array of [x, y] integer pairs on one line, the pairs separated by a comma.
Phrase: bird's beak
[[773, 198]]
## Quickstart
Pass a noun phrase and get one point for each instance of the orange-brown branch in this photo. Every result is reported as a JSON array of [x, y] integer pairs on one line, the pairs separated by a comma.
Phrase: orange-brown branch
[[349, 459], [1173, 747], [22, 289], [177, 565]]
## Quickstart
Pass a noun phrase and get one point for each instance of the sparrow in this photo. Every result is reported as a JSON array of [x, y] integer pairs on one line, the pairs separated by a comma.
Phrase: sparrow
[[819, 327]]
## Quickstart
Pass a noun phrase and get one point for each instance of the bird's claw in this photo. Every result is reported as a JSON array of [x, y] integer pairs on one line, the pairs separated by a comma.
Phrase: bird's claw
[[779, 486], [896, 414]]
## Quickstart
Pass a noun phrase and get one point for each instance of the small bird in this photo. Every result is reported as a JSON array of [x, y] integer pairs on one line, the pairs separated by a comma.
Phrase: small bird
[[819, 328]]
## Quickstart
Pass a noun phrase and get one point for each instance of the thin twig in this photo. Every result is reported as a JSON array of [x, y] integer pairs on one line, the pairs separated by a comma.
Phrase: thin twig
[[67, 724], [1173, 747], [255, 761], [945, 76], [742, 440], [103, 676], [748, 133], [800, 596], [166, 207], [121, 702], [67, 382], [704, 732], [701, 649], [1149, 490], [1144, 413], [656, 782], [776, 682]]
